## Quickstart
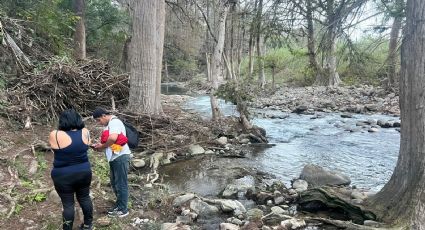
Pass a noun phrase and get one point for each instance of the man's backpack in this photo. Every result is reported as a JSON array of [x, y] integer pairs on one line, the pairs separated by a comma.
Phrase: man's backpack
[[132, 135]]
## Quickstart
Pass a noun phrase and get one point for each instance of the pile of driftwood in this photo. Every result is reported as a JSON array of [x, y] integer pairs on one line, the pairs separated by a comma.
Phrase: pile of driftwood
[[41, 96]]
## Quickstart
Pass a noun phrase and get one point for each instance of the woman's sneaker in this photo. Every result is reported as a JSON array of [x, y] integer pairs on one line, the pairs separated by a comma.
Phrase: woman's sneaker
[[118, 213]]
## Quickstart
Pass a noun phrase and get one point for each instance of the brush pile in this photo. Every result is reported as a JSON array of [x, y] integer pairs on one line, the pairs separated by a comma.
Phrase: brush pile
[[42, 95]]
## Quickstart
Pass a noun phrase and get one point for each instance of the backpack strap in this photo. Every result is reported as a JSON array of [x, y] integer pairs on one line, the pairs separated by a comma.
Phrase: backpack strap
[[57, 142]]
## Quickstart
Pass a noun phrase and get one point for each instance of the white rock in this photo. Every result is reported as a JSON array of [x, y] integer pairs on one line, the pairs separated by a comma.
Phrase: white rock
[[228, 226], [138, 163]]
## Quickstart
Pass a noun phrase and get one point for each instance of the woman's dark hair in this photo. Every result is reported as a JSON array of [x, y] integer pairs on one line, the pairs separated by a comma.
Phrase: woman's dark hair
[[70, 119]]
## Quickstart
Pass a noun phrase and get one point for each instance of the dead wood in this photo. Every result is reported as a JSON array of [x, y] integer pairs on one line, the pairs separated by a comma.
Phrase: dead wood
[[59, 86], [327, 199]]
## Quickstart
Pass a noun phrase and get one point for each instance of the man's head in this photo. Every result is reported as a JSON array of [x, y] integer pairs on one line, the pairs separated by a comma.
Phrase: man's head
[[101, 115]]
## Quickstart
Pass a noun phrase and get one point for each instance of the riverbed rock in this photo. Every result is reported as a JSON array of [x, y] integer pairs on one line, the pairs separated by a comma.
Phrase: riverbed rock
[[373, 130], [274, 219], [317, 176], [293, 224], [202, 208], [229, 226], [178, 201], [231, 206], [222, 141], [184, 219], [254, 214], [279, 210], [235, 221], [232, 190], [300, 109], [279, 200], [196, 150], [300, 185]]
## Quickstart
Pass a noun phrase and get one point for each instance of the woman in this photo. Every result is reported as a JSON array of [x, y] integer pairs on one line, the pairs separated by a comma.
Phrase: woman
[[71, 173]]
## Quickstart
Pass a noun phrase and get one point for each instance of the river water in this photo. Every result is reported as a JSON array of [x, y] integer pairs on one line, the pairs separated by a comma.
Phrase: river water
[[367, 158]]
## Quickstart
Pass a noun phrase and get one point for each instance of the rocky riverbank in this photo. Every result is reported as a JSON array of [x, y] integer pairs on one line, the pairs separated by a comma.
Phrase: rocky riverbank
[[308, 100]]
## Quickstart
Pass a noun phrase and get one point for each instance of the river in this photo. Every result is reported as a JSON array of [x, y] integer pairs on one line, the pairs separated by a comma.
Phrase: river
[[368, 158]]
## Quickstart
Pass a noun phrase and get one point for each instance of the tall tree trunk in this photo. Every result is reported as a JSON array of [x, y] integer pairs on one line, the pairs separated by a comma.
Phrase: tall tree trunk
[[146, 50], [310, 39], [329, 76], [216, 62], [80, 31], [252, 32], [392, 49], [330, 59], [160, 29], [260, 39], [402, 200], [260, 61]]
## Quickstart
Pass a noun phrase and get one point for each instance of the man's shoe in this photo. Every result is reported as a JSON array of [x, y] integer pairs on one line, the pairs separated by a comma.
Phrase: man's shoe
[[86, 227], [112, 210], [118, 213]]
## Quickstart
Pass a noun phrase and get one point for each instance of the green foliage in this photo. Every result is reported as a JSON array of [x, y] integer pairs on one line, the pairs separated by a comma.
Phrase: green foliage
[[364, 62], [288, 65], [107, 28], [183, 68], [47, 23], [100, 167], [18, 209], [37, 197]]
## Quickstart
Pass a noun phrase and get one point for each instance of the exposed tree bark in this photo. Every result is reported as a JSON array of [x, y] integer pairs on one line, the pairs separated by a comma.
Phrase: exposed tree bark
[[259, 41], [252, 32], [330, 76], [146, 50], [125, 61], [392, 52], [80, 31], [392, 47], [402, 200], [216, 62], [310, 39]]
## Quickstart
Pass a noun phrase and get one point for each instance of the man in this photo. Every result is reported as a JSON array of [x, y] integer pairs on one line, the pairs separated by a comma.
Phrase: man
[[118, 158]]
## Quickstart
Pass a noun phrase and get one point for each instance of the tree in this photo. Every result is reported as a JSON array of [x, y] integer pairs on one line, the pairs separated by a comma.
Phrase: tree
[[402, 200], [259, 43], [80, 30], [336, 12], [145, 55], [397, 15], [216, 60]]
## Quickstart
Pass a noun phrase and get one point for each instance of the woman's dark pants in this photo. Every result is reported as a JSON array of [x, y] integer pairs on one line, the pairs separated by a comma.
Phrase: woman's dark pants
[[78, 184]]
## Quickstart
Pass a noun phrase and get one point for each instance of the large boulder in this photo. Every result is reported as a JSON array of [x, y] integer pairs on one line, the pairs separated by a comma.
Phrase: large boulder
[[317, 176]]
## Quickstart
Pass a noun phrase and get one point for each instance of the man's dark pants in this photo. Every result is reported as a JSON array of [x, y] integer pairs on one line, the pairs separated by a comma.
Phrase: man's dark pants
[[119, 170]]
